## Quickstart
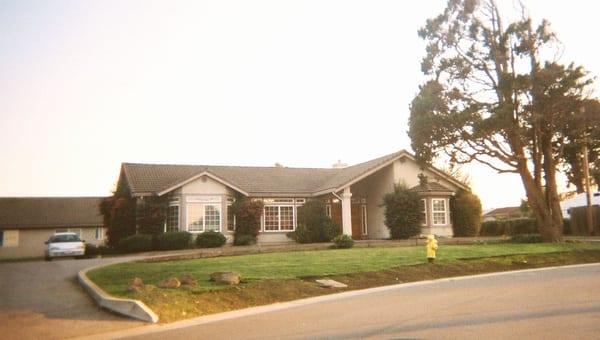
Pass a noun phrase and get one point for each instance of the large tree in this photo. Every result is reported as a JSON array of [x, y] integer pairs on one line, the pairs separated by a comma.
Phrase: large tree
[[493, 96]]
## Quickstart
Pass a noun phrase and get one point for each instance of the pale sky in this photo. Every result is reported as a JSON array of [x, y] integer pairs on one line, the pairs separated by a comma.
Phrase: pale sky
[[86, 85]]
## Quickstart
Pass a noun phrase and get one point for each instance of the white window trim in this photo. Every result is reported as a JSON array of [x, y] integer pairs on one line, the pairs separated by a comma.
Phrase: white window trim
[[279, 230], [174, 204], [234, 219], [424, 223], [101, 234], [203, 204], [328, 210], [445, 212], [364, 218]]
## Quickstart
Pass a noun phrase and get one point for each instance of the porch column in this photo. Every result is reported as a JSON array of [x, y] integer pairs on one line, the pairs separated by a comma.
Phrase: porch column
[[346, 212]]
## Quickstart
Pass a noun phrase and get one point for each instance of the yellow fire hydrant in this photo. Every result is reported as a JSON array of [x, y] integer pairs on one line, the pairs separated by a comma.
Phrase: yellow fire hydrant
[[432, 246]]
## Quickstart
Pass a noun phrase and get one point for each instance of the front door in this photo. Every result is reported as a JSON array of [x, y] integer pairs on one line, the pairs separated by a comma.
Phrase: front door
[[358, 221]]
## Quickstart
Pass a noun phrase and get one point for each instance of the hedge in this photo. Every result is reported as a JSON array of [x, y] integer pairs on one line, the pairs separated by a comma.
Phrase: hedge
[[510, 227], [210, 239], [136, 243], [173, 240]]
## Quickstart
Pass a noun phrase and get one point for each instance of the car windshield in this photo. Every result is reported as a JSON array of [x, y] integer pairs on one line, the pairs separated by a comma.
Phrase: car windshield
[[65, 238]]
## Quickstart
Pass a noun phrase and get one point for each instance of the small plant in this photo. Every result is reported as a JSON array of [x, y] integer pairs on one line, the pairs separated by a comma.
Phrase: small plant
[[243, 240], [343, 241], [173, 240], [527, 238], [210, 239], [136, 243]]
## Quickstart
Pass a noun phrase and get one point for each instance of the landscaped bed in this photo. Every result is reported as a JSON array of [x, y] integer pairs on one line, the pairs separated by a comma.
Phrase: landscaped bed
[[285, 276]]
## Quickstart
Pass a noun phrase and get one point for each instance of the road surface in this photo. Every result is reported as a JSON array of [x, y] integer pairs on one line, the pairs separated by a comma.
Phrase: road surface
[[552, 303], [43, 300]]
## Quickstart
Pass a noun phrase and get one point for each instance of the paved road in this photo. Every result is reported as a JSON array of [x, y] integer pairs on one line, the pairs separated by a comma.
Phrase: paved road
[[558, 303], [43, 300]]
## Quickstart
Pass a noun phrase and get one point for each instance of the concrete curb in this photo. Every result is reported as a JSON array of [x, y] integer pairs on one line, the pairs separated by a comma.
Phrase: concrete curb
[[139, 331], [132, 308]]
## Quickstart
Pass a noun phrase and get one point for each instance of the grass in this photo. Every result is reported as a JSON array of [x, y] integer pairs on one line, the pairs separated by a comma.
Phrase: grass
[[292, 265]]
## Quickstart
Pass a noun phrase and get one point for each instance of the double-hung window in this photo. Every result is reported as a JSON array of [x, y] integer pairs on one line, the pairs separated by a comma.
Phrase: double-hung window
[[203, 214], [439, 211], [279, 217], [173, 217], [423, 209], [230, 216]]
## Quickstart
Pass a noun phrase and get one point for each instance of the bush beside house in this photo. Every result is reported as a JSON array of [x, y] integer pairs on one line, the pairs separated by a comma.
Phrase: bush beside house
[[402, 212], [247, 214], [173, 240], [465, 210], [210, 239], [313, 224]]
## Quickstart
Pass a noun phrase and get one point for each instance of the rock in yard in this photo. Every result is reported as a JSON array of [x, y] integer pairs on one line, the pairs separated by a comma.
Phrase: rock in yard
[[171, 282], [136, 285], [188, 280], [229, 278], [328, 283]]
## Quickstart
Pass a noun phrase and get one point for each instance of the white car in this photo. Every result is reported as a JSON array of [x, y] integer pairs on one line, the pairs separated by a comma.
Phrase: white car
[[64, 244]]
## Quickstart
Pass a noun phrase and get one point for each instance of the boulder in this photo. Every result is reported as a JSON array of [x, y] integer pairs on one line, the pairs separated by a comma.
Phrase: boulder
[[229, 278], [136, 285], [188, 280], [171, 282]]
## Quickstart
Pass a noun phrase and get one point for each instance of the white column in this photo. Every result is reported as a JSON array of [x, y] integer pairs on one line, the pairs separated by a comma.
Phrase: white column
[[346, 212]]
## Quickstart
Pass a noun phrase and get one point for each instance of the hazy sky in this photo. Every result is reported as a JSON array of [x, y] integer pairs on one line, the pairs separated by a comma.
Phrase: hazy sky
[[86, 85]]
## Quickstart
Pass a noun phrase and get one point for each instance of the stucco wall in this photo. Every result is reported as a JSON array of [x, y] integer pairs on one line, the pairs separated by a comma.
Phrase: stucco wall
[[31, 241], [375, 186]]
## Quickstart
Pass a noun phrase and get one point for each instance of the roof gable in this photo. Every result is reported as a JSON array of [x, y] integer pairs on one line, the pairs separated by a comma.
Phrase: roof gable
[[151, 179]]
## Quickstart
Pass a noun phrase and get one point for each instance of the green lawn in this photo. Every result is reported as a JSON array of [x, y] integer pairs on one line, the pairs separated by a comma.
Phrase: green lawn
[[286, 265]]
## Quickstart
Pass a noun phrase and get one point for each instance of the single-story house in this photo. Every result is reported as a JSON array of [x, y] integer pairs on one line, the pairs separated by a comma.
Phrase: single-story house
[[504, 213], [579, 200], [199, 195], [27, 222]]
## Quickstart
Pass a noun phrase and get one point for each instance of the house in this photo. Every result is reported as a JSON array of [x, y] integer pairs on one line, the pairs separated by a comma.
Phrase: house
[[579, 200], [27, 222], [199, 196], [505, 213]]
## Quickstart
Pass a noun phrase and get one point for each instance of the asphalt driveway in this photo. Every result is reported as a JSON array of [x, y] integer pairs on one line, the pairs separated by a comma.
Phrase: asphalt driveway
[[44, 300]]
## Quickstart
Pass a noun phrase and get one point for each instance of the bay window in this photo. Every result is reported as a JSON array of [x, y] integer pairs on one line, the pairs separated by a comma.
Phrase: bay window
[[173, 218], [203, 217], [278, 218], [423, 209]]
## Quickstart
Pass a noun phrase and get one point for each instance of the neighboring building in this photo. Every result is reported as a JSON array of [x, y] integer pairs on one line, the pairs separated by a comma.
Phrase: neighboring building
[[505, 213], [27, 222], [199, 195], [579, 200]]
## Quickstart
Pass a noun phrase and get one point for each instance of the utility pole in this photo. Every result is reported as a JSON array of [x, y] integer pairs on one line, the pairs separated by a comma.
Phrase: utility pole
[[588, 191]]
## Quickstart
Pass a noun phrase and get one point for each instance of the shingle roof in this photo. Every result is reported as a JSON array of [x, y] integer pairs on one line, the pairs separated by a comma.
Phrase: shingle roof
[[505, 211], [49, 212], [157, 178], [430, 187]]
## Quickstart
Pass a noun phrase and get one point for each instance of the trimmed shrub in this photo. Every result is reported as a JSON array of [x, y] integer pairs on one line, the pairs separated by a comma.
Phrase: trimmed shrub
[[173, 240], [402, 212], [247, 215], [243, 240], [313, 224], [91, 250], [517, 226], [465, 210], [136, 243], [343, 241], [210, 239], [527, 238]]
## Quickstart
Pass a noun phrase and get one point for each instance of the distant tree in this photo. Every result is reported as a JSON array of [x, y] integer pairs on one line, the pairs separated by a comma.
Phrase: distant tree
[[466, 211], [402, 212], [491, 97]]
